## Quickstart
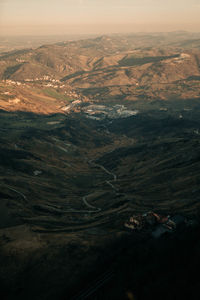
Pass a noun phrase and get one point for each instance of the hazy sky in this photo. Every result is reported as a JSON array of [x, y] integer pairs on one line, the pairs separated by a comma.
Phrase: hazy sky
[[97, 16]]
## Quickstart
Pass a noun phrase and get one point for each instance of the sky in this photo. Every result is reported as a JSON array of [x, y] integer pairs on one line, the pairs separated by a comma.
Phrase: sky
[[49, 17]]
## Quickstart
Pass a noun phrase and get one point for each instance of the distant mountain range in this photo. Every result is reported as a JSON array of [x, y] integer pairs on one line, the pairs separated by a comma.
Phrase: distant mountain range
[[110, 66]]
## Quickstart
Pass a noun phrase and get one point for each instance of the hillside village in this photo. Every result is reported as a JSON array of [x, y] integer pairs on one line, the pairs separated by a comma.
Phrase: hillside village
[[157, 225], [77, 102], [29, 95], [100, 112]]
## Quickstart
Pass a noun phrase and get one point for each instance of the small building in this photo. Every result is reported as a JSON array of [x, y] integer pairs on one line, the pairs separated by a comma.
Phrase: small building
[[178, 220], [129, 225], [159, 231]]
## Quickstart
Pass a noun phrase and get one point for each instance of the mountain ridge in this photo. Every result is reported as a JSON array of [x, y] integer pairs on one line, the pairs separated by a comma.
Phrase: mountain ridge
[[117, 63]]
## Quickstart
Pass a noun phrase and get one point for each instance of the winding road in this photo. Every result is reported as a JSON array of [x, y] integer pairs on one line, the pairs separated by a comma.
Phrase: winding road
[[92, 209], [90, 206], [94, 286], [109, 182], [107, 275], [19, 193]]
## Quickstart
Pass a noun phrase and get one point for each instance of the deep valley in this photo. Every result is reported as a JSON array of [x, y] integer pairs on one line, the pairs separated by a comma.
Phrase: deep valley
[[92, 132]]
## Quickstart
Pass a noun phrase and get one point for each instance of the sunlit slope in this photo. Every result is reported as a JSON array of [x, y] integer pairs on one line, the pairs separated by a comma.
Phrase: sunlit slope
[[36, 98], [126, 67]]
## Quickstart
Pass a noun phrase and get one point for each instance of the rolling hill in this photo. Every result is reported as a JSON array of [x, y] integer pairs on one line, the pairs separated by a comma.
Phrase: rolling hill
[[126, 67], [92, 132]]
